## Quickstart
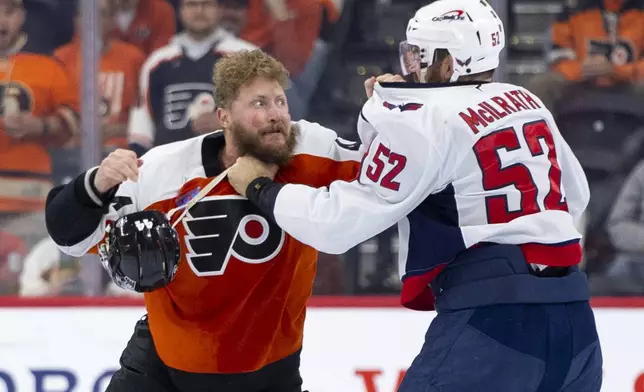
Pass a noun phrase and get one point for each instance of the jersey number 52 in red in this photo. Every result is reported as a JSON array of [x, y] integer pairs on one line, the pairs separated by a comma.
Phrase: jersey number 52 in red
[[519, 175], [388, 163]]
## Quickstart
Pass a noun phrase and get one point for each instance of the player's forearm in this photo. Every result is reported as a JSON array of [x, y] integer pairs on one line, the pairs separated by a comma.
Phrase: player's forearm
[[53, 130], [60, 127], [263, 193], [72, 212], [315, 217]]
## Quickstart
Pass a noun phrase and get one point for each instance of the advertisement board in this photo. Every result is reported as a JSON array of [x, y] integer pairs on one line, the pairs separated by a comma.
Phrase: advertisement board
[[359, 348]]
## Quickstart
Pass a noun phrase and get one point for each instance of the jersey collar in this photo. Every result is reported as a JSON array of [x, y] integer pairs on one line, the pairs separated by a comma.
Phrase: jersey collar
[[210, 153], [406, 85]]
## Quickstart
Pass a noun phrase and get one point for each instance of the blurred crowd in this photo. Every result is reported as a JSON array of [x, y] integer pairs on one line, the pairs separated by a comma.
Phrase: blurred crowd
[[155, 86]]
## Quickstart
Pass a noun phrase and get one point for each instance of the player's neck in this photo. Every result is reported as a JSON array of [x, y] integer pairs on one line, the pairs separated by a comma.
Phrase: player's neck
[[228, 155], [200, 36], [483, 78]]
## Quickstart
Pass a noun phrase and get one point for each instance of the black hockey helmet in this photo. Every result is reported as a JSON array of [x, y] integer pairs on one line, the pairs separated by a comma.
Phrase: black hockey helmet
[[141, 252]]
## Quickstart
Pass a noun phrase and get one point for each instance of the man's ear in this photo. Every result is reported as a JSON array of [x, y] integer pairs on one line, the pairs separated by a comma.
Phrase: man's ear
[[223, 116]]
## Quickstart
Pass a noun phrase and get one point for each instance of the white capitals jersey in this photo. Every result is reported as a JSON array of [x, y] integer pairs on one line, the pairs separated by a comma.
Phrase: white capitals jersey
[[454, 166]]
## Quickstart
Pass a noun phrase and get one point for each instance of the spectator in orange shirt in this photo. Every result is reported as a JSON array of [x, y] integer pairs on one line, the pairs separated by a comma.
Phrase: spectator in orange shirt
[[596, 42], [148, 24], [118, 75], [38, 111]]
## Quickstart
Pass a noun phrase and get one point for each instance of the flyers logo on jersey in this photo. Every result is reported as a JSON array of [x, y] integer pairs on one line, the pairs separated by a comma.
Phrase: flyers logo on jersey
[[220, 227], [619, 53], [178, 100], [404, 107], [15, 98]]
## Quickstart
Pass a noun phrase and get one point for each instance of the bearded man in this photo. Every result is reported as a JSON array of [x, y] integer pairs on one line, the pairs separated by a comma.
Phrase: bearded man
[[231, 318]]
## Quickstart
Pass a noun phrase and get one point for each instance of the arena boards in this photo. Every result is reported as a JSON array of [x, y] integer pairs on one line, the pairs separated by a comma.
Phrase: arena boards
[[351, 344]]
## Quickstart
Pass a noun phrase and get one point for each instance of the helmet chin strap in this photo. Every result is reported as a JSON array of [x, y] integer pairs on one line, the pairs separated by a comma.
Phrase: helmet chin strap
[[456, 74], [423, 74], [196, 198]]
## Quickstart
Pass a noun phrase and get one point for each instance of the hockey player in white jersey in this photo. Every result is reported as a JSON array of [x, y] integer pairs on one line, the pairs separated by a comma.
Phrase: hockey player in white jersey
[[485, 192]]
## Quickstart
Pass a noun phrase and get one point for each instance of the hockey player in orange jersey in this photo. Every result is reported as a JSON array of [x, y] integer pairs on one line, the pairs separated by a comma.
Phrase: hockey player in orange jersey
[[232, 318]]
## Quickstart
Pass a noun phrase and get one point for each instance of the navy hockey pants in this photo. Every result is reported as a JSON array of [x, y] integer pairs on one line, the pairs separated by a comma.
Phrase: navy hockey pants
[[510, 348]]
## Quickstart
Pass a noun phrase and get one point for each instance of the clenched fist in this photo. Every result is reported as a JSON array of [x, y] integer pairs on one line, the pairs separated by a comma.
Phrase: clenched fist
[[247, 169], [119, 166]]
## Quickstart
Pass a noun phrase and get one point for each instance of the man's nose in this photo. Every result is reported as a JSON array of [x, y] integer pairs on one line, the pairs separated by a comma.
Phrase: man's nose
[[273, 114]]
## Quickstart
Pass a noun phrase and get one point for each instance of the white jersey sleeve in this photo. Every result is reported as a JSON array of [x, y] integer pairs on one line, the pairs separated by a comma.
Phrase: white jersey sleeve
[[164, 171], [401, 167], [125, 202], [573, 180]]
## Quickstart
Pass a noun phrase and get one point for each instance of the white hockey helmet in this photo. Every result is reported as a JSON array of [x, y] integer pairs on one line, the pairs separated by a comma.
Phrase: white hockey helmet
[[470, 30]]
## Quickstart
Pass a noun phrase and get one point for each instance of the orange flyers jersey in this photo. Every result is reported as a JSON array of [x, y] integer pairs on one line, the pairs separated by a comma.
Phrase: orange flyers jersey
[[589, 29], [119, 70], [152, 27], [238, 300], [39, 85]]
